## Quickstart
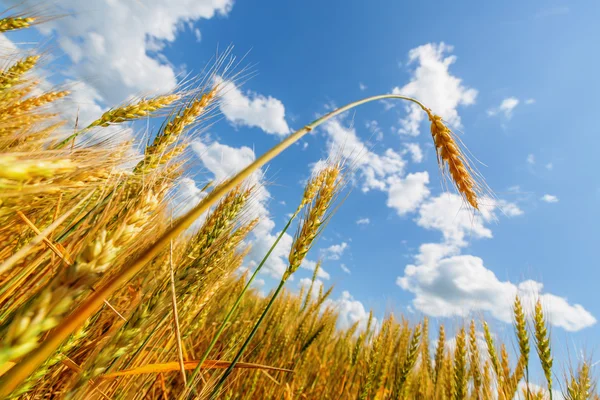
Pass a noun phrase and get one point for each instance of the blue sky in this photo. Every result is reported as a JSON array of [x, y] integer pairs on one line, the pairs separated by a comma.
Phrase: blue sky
[[517, 79]]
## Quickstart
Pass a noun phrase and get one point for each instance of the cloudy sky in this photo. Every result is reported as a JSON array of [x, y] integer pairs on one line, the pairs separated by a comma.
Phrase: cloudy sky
[[517, 80]]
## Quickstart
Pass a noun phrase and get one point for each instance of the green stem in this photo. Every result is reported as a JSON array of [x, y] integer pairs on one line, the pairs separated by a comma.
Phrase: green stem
[[237, 303], [70, 138], [17, 374], [248, 339]]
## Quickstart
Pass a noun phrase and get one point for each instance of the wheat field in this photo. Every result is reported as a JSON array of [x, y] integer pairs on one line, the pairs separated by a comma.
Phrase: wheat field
[[105, 294]]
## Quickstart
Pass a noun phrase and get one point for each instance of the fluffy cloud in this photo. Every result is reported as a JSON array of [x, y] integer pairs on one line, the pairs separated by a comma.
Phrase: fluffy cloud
[[186, 195], [345, 268], [448, 214], [363, 221], [373, 127], [433, 84], [350, 311], [115, 55], [316, 288], [549, 198], [405, 195], [530, 159], [334, 252], [374, 168], [447, 283], [506, 107], [253, 109], [415, 151]]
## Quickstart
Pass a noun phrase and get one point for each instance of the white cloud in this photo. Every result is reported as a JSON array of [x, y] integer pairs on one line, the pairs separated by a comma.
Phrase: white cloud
[[350, 311], [311, 265], [113, 55], [186, 196], [374, 168], [534, 389], [405, 195], [508, 209], [362, 86], [506, 107], [334, 252], [345, 268], [363, 221], [549, 198], [434, 85], [253, 109], [373, 127], [549, 166], [447, 284], [415, 151], [447, 214], [530, 159], [317, 285]]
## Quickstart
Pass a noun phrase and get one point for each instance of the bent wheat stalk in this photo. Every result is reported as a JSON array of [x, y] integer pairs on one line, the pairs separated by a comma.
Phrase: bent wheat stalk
[[16, 375]]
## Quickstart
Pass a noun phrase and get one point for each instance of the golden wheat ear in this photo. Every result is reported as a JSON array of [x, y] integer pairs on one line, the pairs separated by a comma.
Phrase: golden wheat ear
[[453, 161], [14, 23]]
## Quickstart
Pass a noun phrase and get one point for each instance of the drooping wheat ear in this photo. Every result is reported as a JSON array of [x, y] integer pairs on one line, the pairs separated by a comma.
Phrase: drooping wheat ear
[[13, 23], [135, 111], [29, 104], [13, 74], [411, 358], [451, 158], [173, 129], [542, 343], [475, 368], [439, 354], [314, 218], [460, 366], [17, 169]]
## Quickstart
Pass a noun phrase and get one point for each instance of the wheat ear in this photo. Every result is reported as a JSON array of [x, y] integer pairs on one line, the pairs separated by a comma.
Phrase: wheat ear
[[14, 23], [542, 342], [13, 74]]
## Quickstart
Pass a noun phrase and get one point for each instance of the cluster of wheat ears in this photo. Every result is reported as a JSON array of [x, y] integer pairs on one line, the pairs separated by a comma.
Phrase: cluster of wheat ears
[[105, 295]]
